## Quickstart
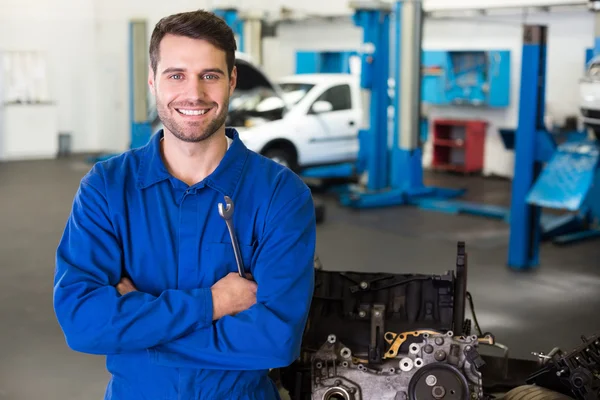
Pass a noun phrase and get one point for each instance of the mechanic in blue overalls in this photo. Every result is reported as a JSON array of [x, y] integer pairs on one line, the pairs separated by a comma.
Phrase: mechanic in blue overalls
[[146, 273]]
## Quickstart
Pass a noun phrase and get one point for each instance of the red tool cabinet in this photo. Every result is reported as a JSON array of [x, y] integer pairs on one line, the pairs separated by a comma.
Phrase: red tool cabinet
[[458, 145]]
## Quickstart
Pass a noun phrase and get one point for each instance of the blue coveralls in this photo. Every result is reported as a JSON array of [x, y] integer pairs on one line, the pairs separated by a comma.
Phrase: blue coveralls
[[131, 217]]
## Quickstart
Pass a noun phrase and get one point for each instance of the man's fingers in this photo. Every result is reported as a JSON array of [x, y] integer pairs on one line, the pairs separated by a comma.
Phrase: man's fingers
[[126, 281], [125, 286]]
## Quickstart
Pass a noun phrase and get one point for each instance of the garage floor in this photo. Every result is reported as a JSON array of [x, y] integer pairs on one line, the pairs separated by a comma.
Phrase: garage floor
[[532, 311]]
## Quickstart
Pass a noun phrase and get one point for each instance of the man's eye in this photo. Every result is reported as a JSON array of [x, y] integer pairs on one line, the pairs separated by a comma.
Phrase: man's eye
[[211, 76], [176, 76]]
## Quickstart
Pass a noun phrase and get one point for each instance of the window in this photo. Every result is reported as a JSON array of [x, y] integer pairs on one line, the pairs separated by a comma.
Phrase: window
[[339, 96]]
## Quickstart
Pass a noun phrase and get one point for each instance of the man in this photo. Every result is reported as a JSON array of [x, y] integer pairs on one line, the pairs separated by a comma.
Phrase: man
[[145, 270]]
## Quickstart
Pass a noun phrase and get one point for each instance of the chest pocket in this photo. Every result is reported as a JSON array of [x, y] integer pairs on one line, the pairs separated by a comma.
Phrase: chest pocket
[[218, 259]]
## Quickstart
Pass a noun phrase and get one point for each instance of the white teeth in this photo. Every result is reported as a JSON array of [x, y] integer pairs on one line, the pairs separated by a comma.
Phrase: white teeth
[[192, 112]]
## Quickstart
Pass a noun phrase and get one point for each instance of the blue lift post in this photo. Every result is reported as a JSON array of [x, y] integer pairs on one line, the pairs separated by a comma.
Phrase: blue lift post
[[525, 218], [395, 175], [374, 19]]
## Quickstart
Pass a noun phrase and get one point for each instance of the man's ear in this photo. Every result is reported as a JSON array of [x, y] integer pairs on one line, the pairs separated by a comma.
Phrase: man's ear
[[151, 82], [233, 80]]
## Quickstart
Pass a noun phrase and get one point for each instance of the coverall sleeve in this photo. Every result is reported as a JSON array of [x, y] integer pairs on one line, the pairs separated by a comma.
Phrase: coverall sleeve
[[94, 317], [269, 334]]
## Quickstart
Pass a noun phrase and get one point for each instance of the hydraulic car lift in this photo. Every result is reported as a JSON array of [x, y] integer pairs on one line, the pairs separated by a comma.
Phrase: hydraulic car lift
[[394, 176], [561, 177]]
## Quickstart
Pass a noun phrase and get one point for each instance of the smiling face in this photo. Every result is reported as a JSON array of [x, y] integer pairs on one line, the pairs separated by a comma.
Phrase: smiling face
[[192, 87]]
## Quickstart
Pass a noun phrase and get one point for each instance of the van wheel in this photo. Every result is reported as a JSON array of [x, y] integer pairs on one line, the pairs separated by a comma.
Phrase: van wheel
[[282, 157]]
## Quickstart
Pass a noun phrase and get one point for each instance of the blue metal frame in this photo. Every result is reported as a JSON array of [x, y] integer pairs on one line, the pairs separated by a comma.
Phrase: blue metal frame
[[525, 229]]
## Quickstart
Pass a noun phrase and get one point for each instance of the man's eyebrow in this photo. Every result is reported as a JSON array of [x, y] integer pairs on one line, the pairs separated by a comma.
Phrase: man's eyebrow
[[204, 71], [173, 69], [215, 70]]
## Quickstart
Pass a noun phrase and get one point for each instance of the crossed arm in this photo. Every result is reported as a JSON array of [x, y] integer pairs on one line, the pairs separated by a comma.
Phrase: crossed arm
[[177, 327]]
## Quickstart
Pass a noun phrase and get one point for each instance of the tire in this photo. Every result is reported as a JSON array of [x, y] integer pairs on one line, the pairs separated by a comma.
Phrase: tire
[[283, 157], [529, 392]]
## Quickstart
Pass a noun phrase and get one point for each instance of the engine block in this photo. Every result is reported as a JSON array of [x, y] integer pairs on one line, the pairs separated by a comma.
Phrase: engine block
[[438, 366]]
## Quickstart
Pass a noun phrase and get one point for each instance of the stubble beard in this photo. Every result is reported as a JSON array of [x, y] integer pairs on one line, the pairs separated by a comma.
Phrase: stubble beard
[[192, 132]]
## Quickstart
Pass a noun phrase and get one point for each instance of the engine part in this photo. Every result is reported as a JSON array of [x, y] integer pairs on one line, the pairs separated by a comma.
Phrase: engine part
[[380, 329], [421, 373], [396, 341], [360, 307], [576, 373]]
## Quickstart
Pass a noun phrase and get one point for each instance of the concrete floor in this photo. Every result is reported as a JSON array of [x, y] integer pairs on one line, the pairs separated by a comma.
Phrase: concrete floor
[[532, 311]]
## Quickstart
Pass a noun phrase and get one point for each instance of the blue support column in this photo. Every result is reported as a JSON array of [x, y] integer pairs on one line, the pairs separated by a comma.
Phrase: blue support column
[[525, 218], [231, 17], [374, 73]]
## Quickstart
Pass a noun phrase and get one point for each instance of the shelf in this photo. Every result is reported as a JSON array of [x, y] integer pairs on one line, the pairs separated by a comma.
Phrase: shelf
[[458, 145]]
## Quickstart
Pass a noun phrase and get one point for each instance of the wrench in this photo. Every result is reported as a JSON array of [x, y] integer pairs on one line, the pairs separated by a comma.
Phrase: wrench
[[226, 212]]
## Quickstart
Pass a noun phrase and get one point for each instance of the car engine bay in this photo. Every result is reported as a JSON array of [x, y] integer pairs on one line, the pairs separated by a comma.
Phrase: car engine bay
[[376, 336]]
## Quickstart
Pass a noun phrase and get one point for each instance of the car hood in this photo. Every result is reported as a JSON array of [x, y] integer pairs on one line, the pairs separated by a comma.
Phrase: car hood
[[251, 77]]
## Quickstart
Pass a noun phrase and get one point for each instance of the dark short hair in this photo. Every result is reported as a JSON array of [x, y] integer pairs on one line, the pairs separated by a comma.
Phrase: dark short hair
[[196, 25]]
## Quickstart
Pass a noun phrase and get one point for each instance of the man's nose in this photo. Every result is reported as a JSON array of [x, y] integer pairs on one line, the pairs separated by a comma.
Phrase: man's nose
[[196, 88]]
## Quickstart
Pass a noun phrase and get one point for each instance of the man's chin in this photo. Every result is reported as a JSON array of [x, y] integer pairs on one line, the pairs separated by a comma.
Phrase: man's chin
[[193, 137]]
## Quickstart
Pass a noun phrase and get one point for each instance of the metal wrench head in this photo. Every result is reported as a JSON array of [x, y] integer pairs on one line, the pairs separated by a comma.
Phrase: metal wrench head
[[226, 211]]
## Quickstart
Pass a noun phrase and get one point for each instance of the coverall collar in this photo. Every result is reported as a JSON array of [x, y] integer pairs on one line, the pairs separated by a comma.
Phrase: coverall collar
[[224, 178]]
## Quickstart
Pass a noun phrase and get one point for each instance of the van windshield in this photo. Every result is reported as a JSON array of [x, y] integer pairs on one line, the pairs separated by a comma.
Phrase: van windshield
[[593, 71], [293, 92]]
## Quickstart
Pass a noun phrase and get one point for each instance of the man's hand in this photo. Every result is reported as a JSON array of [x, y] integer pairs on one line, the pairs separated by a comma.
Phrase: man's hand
[[232, 294], [125, 286]]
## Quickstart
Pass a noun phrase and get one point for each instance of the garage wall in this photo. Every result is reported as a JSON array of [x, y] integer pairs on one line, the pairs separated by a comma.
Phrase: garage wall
[[86, 46], [571, 32], [67, 41]]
